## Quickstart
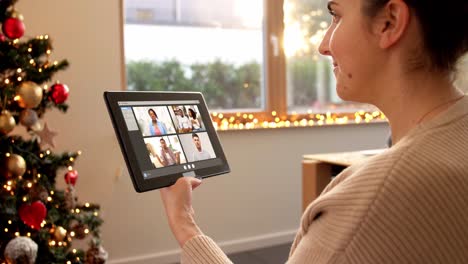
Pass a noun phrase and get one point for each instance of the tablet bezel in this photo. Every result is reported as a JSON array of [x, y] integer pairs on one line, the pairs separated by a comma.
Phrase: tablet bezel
[[112, 98]]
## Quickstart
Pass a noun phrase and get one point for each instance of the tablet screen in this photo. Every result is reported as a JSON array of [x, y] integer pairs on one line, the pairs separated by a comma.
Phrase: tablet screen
[[164, 136], [172, 134]]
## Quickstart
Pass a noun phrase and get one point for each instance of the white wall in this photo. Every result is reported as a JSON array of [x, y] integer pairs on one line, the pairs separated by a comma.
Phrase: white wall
[[256, 205]]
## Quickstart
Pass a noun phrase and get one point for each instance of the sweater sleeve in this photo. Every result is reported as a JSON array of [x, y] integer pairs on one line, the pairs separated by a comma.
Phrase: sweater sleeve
[[202, 249]]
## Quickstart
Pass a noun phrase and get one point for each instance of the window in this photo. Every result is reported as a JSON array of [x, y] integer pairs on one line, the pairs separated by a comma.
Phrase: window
[[250, 58]]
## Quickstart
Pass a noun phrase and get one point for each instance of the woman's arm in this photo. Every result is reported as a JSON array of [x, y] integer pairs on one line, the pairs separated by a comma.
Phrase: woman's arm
[[177, 201], [196, 247]]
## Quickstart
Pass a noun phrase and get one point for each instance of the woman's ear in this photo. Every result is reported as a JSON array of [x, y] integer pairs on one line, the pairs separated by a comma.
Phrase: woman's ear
[[393, 22]]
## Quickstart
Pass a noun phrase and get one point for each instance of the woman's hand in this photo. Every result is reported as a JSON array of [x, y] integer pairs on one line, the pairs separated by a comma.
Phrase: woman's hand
[[177, 201]]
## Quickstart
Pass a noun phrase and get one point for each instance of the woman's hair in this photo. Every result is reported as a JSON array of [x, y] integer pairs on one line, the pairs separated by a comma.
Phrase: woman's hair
[[154, 112], [443, 25], [193, 114]]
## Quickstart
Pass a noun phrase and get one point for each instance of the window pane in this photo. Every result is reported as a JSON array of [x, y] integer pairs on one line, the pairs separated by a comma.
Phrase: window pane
[[215, 47], [310, 79]]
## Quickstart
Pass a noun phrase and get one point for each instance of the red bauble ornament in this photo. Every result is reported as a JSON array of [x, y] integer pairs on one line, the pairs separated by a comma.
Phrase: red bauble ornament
[[33, 214], [59, 93], [13, 28], [71, 177], [2, 37]]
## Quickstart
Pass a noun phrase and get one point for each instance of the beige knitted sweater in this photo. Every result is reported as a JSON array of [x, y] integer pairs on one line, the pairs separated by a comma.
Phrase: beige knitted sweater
[[406, 205]]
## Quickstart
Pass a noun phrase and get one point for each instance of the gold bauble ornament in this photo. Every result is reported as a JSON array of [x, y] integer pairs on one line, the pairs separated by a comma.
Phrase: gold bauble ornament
[[29, 94], [7, 122], [13, 166], [60, 233]]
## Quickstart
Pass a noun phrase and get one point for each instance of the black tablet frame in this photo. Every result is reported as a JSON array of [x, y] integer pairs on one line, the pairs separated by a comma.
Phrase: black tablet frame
[[112, 98]]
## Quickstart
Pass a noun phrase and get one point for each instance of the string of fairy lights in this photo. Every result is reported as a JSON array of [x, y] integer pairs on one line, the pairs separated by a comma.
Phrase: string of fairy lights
[[245, 121]]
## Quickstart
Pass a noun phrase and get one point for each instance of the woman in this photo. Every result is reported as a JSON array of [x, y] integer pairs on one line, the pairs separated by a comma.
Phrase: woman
[[408, 204], [156, 127], [193, 119]]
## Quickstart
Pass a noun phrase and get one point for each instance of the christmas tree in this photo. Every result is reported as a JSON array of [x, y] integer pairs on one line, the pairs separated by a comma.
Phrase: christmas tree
[[38, 223]]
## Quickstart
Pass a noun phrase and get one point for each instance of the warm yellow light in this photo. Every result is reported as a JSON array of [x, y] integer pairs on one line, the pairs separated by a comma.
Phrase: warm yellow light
[[74, 251], [17, 234], [72, 234], [28, 234], [86, 231], [293, 39], [86, 204], [77, 210], [48, 152], [52, 192], [19, 79], [72, 159], [6, 230], [29, 185], [31, 61], [25, 199], [70, 168], [9, 222], [7, 81], [49, 199], [250, 121], [29, 49]]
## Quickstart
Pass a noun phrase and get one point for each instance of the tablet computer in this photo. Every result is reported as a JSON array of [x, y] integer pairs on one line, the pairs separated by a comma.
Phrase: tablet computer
[[164, 136]]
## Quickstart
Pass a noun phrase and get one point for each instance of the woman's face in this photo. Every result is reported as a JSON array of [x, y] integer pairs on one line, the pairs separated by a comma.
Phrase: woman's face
[[152, 115], [353, 49]]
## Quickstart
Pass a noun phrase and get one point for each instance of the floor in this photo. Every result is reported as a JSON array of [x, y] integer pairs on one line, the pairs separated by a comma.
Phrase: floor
[[272, 255]]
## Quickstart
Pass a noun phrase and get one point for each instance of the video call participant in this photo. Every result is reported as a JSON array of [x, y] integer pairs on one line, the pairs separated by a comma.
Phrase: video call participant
[[193, 119], [156, 127], [167, 156], [184, 123], [200, 154]]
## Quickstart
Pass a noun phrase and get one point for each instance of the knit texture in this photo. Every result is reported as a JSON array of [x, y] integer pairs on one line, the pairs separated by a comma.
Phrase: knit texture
[[406, 205]]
